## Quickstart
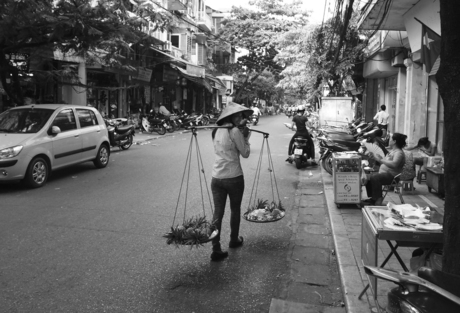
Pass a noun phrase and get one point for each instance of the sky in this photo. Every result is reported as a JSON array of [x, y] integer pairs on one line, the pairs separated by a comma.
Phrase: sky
[[316, 6]]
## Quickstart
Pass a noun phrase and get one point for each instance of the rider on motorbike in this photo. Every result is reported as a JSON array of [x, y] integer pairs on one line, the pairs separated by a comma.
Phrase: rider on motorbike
[[300, 121]]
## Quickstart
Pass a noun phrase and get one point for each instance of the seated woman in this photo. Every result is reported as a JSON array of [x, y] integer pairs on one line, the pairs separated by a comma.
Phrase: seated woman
[[391, 165], [426, 146]]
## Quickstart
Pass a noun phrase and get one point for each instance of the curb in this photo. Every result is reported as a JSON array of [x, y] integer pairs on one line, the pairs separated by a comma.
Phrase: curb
[[350, 275]]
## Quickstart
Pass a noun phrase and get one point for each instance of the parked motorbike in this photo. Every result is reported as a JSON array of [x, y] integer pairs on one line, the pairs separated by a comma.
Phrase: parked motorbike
[[429, 291], [327, 147], [120, 136], [254, 119], [152, 124]]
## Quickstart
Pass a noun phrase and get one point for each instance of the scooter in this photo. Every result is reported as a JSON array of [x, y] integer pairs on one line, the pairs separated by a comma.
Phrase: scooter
[[152, 124], [430, 291], [120, 136], [254, 119], [301, 151]]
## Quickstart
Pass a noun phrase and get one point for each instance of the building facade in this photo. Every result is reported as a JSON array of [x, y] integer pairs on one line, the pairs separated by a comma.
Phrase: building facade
[[398, 71]]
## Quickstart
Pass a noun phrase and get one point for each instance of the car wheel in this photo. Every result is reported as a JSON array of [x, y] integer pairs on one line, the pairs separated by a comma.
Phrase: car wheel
[[102, 158], [37, 173], [128, 143]]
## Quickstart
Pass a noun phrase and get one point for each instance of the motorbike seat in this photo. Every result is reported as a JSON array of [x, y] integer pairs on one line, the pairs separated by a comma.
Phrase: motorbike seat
[[155, 121], [353, 145], [124, 129], [300, 139], [446, 281]]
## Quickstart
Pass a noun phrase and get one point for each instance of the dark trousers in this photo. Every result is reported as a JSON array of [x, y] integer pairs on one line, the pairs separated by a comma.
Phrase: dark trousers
[[375, 183], [307, 136], [221, 188]]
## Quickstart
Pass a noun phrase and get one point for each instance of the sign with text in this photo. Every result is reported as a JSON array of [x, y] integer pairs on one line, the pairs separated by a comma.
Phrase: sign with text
[[347, 187], [144, 74]]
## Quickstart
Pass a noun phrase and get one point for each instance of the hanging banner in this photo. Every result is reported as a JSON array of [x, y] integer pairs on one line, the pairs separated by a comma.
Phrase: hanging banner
[[144, 74]]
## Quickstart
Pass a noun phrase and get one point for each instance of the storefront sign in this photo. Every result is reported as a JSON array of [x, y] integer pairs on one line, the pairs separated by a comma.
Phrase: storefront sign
[[195, 70], [144, 74]]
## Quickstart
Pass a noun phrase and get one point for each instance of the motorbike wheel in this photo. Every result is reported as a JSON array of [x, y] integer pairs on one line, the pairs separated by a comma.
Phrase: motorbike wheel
[[172, 129], [298, 163], [255, 123], [128, 143], [161, 130], [205, 121], [327, 164]]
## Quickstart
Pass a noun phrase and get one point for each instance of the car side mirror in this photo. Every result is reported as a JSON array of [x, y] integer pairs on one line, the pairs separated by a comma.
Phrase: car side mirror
[[54, 130]]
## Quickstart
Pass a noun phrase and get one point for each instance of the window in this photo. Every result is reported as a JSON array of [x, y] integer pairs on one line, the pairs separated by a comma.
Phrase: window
[[175, 40], [65, 120], [87, 118]]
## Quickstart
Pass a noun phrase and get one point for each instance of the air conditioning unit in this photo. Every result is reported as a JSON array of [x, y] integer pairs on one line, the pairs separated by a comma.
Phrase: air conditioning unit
[[398, 58], [167, 46]]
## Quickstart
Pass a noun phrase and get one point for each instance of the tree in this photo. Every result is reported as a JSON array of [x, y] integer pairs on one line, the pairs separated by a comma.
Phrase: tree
[[448, 78], [255, 31], [319, 55], [105, 29]]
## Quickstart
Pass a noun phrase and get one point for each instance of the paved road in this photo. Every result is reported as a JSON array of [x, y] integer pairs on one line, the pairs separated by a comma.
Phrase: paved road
[[90, 240]]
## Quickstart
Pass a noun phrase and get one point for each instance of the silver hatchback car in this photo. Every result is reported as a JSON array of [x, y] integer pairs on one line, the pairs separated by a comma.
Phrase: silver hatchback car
[[37, 139]]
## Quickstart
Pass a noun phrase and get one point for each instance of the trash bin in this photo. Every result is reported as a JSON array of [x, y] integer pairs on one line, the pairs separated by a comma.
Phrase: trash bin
[[346, 171]]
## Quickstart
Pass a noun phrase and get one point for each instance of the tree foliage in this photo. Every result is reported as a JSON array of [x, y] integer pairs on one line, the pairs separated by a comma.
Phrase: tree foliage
[[317, 55], [256, 31], [103, 29]]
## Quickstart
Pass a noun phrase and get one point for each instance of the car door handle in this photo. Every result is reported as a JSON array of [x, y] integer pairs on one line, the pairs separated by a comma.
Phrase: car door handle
[[76, 136]]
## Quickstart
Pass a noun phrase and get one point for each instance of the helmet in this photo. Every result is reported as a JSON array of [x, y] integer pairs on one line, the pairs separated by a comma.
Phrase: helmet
[[301, 108]]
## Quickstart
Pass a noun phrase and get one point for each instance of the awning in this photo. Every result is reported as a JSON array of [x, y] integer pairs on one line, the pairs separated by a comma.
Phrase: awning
[[218, 84], [172, 57], [193, 78]]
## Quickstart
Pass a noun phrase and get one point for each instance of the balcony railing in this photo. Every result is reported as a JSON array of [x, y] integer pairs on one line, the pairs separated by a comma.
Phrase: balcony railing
[[204, 21]]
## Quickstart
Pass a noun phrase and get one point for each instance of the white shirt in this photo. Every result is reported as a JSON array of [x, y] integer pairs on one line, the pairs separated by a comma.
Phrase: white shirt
[[382, 117], [229, 144], [164, 111], [256, 110]]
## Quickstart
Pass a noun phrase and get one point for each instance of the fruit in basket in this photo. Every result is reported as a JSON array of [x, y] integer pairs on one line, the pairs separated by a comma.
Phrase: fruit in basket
[[194, 232], [265, 212]]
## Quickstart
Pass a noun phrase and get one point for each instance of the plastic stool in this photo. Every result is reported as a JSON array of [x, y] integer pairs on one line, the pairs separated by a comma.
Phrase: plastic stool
[[421, 176], [405, 185]]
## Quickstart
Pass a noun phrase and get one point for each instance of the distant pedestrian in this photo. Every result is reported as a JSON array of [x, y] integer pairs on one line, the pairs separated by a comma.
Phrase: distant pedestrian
[[382, 118]]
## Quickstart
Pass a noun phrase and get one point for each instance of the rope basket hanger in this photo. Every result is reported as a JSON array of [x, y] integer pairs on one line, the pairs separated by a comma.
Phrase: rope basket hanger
[[196, 230], [263, 210]]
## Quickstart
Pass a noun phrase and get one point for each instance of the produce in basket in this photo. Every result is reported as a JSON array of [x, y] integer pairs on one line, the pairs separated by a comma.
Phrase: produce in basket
[[194, 232], [264, 212]]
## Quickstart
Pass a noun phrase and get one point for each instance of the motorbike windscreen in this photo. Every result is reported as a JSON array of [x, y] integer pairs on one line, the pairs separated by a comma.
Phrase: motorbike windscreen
[[27, 120]]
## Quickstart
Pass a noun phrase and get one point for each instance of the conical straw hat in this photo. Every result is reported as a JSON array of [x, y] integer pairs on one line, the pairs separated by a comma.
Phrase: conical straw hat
[[233, 108]]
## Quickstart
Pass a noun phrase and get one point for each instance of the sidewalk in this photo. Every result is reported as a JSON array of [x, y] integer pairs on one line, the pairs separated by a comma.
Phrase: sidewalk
[[346, 231], [142, 138]]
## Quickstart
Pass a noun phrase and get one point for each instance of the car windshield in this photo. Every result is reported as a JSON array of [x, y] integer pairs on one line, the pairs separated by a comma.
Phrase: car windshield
[[27, 120]]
